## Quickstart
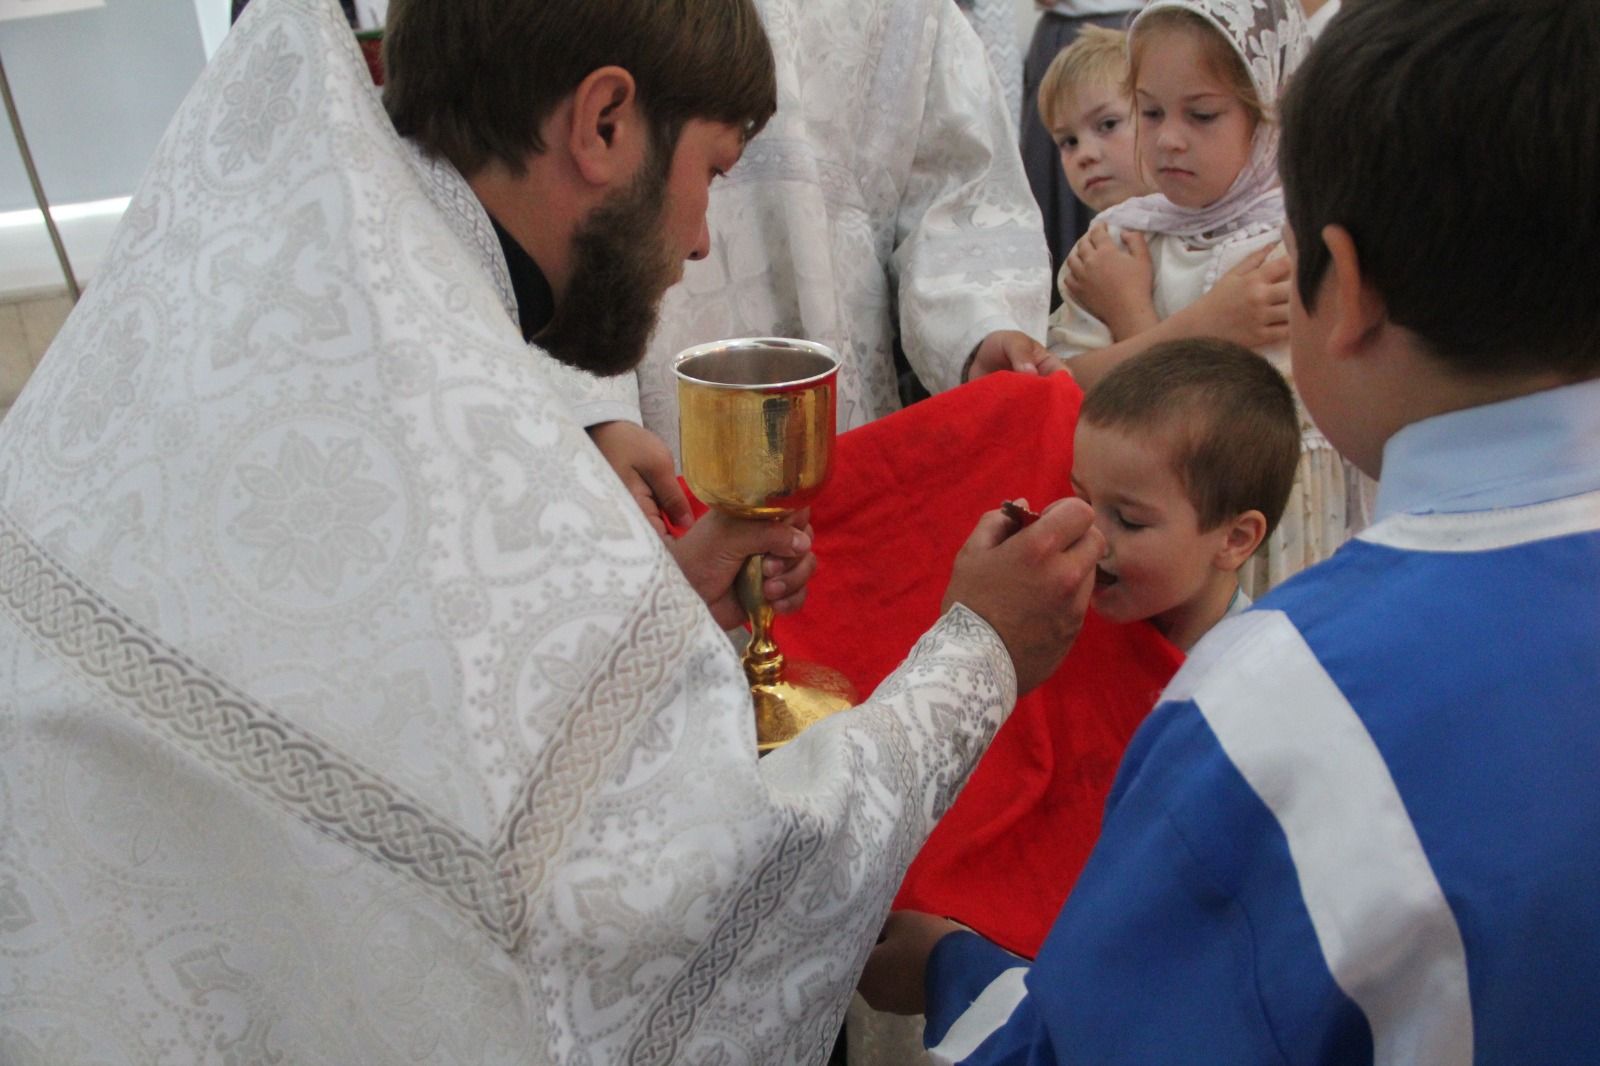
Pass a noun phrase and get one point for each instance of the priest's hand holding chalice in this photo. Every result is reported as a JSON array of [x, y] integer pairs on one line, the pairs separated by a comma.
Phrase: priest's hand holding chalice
[[756, 432]]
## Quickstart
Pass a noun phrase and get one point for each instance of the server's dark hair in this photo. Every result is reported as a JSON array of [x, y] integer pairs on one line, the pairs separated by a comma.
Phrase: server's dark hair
[[1458, 141]]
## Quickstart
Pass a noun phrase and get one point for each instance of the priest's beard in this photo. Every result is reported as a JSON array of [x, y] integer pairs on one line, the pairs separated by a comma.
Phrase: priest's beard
[[621, 267]]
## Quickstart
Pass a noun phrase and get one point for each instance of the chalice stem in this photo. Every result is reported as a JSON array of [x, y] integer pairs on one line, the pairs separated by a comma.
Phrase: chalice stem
[[763, 663]]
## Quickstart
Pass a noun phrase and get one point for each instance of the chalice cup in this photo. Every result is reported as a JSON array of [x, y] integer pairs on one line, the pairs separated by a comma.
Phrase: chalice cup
[[756, 428]]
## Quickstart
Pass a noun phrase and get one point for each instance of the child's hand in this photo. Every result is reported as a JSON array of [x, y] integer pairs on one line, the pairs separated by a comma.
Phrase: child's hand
[[894, 977], [1248, 305], [1113, 280]]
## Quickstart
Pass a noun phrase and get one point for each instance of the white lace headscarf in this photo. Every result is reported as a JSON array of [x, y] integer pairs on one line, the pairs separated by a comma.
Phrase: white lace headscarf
[[1270, 37]]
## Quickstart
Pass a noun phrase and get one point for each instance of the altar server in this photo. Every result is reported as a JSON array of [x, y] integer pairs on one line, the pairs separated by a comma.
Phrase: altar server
[[349, 710], [1362, 827]]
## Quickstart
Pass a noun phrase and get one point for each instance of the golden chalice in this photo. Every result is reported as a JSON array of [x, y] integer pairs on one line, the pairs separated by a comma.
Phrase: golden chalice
[[756, 427]]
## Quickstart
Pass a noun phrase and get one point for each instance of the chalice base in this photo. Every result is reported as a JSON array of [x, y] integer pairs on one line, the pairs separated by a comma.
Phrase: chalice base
[[805, 695]]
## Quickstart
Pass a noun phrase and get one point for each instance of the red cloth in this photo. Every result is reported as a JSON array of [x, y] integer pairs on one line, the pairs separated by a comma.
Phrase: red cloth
[[905, 495]]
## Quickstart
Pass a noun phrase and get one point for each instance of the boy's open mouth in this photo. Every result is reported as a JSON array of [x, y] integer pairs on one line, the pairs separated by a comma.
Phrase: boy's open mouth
[[1104, 579]]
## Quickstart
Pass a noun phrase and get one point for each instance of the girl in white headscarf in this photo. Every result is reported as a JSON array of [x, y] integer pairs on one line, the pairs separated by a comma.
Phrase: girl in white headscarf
[[1206, 77]]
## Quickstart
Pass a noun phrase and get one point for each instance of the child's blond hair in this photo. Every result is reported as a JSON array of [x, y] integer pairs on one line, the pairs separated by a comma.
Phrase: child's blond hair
[[1098, 57]]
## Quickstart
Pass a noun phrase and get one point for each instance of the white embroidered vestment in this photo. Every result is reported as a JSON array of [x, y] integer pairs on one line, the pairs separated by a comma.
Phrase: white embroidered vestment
[[349, 710]]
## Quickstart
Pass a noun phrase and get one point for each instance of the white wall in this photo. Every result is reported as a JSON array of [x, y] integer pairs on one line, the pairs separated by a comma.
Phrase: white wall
[[95, 90]]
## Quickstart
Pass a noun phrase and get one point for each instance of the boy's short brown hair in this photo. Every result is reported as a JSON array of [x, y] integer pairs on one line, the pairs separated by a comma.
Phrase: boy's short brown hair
[[1099, 56], [474, 80], [1459, 144], [1228, 415]]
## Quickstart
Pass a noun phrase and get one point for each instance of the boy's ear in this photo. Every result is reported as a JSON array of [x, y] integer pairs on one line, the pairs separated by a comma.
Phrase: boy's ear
[[1358, 312], [1244, 534], [606, 138]]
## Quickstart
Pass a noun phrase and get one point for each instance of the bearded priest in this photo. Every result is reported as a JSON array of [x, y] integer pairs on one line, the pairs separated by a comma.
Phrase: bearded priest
[[350, 710]]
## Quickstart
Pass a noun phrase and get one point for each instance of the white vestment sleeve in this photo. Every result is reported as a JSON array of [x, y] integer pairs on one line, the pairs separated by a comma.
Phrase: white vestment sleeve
[[970, 254]]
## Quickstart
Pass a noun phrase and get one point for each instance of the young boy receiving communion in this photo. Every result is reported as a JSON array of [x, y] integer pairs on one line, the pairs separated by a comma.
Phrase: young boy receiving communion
[[1362, 825], [1187, 454]]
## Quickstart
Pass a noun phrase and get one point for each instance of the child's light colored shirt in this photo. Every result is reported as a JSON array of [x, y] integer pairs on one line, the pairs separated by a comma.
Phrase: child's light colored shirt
[[1182, 274]]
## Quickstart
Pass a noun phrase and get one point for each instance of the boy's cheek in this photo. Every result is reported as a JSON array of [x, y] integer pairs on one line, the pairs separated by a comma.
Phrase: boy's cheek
[[1074, 180]]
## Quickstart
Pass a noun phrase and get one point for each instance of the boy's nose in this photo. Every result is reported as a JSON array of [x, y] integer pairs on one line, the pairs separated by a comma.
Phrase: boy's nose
[[1103, 524]]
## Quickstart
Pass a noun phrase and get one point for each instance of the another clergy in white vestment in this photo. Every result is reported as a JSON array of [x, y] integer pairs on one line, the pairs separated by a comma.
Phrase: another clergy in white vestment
[[885, 200], [995, 23], [350, 712]]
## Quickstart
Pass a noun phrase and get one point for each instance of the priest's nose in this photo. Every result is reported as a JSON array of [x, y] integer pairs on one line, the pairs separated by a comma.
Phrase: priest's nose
[[702, 247]]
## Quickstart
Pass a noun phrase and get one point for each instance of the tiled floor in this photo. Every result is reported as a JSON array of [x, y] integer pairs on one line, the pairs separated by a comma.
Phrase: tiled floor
[[26, 329]]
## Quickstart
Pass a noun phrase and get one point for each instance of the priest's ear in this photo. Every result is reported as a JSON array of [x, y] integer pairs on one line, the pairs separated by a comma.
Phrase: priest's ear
[[607, 137]]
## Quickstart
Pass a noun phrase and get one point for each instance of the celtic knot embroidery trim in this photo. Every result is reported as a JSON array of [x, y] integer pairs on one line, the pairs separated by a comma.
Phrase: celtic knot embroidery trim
[[638, 667], [672, 1018], [272, 757]]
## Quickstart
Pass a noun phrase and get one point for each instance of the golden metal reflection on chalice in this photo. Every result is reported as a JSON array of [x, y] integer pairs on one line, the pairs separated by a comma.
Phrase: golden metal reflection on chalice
[[756, 428]]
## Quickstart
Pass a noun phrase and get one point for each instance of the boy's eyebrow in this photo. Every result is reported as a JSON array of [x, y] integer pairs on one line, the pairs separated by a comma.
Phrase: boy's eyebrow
[[1090, 116], [1116, 498]]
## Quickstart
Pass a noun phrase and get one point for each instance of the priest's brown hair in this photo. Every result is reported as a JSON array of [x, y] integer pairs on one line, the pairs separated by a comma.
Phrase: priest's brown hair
[[474, 80]]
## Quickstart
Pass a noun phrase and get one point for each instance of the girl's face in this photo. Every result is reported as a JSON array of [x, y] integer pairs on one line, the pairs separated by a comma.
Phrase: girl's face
[[1194, 133]]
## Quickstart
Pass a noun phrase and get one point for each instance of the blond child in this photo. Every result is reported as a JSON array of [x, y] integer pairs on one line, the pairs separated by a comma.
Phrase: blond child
[[1187, 454], [1085, 104]]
